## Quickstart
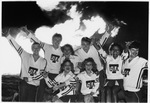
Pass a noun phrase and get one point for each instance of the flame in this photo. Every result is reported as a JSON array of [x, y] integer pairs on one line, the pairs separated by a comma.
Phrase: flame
[[23, 42], [94, 24], [47, 5], [74, 29], [73, 13], [115, 31]]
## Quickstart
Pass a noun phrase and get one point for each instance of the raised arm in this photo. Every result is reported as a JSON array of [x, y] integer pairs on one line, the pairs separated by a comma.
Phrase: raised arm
[[106, 35], [17, 47], [100, 43], [14, 44], [101, 50], [125, 52], [32, 36]]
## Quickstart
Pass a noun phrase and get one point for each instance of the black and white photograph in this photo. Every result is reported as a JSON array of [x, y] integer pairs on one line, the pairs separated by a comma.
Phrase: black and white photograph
[[74, 51]]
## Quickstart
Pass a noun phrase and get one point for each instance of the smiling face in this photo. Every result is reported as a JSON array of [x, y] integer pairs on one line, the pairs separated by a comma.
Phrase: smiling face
[[36, 49], [56, 41], [67, 51], [85, 45], [134, 49], [133, 52], [88, 66], [67, 67], [115, 51]]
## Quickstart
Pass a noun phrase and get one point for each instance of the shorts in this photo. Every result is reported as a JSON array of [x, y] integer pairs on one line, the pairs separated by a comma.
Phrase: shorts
[[116, 82]]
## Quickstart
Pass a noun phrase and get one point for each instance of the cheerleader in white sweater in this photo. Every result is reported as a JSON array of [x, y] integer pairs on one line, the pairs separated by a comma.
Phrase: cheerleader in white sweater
[[133, 69], [64, 82], [31, 67], [89, 80], [68, 53], [114, 61]]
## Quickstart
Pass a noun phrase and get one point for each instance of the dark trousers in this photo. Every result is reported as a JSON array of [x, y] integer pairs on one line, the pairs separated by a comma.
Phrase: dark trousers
[[102, 80], [67, 98], [130, 97], [41, 88], [27, 92], [22, 91]]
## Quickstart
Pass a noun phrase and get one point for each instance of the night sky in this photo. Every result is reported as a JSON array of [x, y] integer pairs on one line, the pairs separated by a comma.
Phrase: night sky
[[135, 14]]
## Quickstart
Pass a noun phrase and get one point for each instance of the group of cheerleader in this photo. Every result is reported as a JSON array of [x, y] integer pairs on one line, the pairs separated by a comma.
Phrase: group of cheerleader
[[87, 74]]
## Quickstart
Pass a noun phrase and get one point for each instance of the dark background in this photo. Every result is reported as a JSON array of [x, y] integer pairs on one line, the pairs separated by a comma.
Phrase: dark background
[[135, 14]]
